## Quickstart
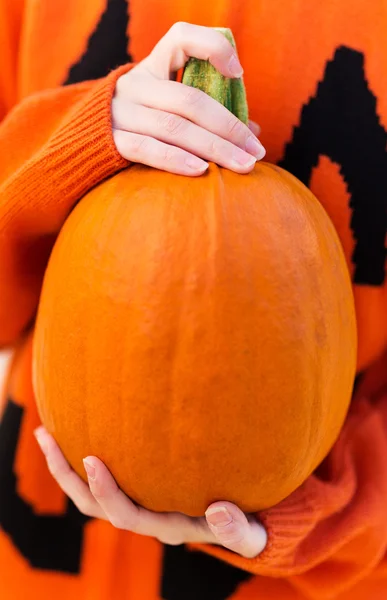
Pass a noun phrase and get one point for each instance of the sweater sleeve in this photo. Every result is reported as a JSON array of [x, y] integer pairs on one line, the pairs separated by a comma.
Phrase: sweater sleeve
[[54, 147], [332, 531], [11, 25]]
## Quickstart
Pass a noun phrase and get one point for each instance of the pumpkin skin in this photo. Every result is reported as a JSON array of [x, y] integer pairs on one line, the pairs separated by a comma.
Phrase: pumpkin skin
[[198, 335]]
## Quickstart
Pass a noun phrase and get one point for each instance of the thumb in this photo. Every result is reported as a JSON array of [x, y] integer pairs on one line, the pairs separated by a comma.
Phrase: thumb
[[235, 530], [184, 40]]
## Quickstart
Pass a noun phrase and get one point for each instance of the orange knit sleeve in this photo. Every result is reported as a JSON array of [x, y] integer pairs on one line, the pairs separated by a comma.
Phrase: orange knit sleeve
[[332, 531], [11, 24], [54, 147]]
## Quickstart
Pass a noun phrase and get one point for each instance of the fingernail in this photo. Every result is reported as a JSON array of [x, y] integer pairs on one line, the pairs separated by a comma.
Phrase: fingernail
[[40, 438], [254, 147], [196, 164], [243, 158], [219, 517], [90, 470], [235, 67]]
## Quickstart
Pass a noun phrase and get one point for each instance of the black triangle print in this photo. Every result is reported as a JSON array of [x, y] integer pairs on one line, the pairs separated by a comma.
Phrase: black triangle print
[[107, 47], [341, 122], [196, 576], [51, 542]]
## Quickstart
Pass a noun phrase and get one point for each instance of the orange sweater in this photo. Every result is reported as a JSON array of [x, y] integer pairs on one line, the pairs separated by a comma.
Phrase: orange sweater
[[314, 77]]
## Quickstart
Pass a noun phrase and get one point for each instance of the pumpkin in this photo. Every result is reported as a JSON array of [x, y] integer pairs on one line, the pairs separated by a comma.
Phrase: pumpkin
[[197, 334]]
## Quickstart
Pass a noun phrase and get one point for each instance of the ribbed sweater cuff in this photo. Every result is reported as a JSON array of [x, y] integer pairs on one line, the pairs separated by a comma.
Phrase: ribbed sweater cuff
[[83, 153], [80, 154]]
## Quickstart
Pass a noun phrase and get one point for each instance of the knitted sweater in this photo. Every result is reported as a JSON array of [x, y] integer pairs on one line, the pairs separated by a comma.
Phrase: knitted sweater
[[315, 83]]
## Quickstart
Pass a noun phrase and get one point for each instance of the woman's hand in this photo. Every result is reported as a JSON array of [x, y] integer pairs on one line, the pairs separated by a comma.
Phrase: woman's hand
[[173, 127], [224, 523]]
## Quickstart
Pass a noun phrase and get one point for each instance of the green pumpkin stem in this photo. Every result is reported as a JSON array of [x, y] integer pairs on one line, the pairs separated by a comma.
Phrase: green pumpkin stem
[[231, 93]]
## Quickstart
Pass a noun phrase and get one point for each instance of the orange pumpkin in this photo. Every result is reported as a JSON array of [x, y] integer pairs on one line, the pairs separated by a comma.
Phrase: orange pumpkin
[[198, 335]]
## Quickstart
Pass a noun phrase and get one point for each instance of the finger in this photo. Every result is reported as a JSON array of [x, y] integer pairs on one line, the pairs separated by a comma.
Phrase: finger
[[179, 132], [149, 151], [234, 530], [169, 528], [184, 40], [191, 104], [120, 511], [70, 483], [255, 128]]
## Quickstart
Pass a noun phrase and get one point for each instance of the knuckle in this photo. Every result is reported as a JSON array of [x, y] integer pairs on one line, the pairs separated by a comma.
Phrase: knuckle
[[84, 506], [179, 29], [235, 127], [214, 148], [168, 154], [193, 96], [139, 146], [121, 522], [58, 471], [118, 522], [101, 491], [172, 124], [98, 492]]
